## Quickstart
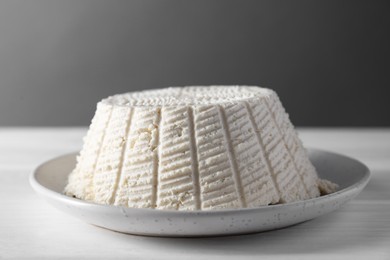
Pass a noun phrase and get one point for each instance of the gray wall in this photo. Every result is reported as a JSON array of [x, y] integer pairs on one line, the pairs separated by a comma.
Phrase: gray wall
[[328, 60]]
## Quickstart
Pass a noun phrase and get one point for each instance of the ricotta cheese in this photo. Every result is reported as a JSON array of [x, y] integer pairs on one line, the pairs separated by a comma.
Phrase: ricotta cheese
[[194, 148]]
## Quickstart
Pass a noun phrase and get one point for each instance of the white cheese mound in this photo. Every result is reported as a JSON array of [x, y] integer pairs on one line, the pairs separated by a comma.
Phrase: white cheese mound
[[194, 148]]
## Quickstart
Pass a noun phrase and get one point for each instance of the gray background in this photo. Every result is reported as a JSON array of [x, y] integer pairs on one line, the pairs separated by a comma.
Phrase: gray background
[[327, 60]]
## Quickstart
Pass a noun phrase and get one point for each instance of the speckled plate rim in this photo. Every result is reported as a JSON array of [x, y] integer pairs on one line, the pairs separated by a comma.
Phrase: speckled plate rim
[[47, 181]]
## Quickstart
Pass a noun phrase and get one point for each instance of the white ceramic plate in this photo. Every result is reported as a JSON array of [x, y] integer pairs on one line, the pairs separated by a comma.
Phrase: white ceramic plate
[[50, 178]]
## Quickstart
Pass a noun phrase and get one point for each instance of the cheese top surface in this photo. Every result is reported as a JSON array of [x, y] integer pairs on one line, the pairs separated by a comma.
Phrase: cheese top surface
[[190, 96], [193, 148]]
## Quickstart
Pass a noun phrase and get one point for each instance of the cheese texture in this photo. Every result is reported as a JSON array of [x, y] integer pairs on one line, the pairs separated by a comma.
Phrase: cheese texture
[[194, 148]]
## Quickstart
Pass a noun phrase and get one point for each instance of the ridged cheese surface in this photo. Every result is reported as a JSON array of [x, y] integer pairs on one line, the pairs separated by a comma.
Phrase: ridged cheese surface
[[194, 148]]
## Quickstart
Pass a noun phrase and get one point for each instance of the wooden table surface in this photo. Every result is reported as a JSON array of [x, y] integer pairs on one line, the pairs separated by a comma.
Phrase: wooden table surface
[[32, 229]]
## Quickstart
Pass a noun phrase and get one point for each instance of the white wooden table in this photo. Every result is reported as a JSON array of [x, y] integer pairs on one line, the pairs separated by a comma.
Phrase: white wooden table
[[32, 229]]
